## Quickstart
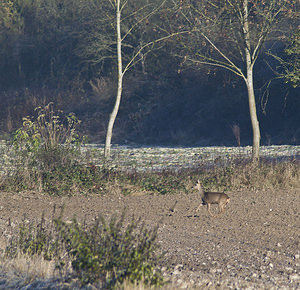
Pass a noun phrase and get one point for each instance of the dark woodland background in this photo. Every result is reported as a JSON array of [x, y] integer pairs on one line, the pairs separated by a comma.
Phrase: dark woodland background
[[43, 59]]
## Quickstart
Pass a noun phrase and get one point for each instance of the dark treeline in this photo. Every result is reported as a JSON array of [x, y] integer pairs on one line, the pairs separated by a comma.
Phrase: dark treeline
[[62, 51]]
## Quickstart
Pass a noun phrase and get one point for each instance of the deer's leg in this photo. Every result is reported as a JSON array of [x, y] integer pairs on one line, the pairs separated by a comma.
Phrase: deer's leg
[[208, 209], [221, 208], [220, 211], [199, 206]]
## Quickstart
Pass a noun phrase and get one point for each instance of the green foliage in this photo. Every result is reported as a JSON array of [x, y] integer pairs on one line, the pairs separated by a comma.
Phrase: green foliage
[[105, 252], [10, 20], [47, 140], [47, 153], [31, 240], [165, 182], [74, 178], [123, 255], [289, 68], [292, 66]]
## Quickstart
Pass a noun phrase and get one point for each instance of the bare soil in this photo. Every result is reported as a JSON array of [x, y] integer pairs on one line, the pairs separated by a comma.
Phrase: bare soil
[[255, 243]]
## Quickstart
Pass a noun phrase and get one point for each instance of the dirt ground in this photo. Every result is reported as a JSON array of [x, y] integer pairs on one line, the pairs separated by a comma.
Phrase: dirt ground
[[254, 244]]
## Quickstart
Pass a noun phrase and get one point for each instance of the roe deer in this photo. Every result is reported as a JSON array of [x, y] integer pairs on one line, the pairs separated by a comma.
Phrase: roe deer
[[209, 198]]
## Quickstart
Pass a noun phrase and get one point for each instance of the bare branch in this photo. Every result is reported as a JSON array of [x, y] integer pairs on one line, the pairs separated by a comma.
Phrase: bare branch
[[143, 18], [151, 43], [238, 73], [223, 55]]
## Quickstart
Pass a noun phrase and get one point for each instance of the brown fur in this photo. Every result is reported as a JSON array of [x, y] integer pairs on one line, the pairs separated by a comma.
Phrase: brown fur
[[208, 198]]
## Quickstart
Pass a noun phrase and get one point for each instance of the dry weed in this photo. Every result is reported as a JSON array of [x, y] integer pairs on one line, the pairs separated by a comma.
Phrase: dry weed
[[29, 268]]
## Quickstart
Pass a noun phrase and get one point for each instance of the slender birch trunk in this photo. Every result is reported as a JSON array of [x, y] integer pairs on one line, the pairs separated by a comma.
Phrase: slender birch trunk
[[114, 113], [250, 87], [121, 71], [253, 115]]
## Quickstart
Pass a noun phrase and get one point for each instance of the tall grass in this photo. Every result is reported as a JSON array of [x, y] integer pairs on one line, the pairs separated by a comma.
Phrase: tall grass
[[240, 174], [243, 174]]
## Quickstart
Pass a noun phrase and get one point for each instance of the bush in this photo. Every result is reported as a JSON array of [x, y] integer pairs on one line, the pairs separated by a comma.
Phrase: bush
[[105, 253], [49, 140], [45, 148]]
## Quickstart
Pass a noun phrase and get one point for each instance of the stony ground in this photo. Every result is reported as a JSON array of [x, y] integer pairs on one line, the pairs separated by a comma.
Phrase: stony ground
[[254, 244]]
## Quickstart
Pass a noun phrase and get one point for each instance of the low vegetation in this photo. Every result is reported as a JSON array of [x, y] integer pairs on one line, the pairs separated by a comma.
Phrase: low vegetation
[[104, 254], [82, 178], [47, 158]]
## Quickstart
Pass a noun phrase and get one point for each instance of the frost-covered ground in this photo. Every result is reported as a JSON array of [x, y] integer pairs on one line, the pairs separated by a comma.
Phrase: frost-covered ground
[[167, 158], [172, 158]]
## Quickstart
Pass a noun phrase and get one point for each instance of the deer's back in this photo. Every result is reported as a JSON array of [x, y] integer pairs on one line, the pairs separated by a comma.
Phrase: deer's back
[[215, 197]]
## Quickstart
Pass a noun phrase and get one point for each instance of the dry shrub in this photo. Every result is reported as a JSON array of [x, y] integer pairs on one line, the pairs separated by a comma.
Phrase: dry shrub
[[23, 269], [239, 174], [243, 174], [32, 267]]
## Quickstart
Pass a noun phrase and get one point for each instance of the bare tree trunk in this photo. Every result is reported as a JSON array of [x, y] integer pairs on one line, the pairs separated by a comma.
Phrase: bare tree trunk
[[114, 113], [112, 119], [253, 115], [249, 83]]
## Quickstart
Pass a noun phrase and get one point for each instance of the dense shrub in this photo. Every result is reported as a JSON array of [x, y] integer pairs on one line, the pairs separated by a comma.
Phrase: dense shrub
[[48, 140], [46, 152], [104, 253]]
